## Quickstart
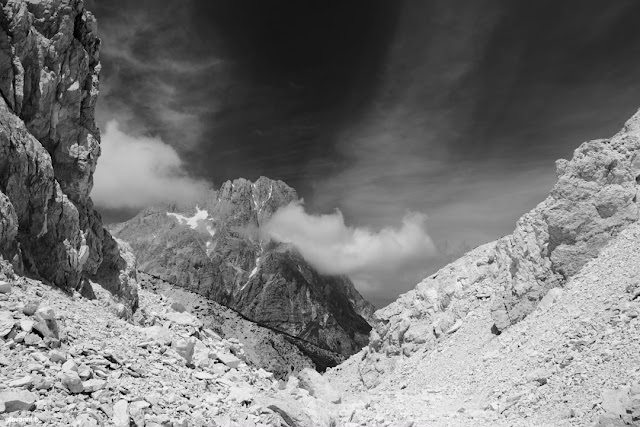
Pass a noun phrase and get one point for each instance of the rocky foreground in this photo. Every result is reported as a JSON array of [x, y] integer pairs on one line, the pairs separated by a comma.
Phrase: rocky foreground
[[67, 360]]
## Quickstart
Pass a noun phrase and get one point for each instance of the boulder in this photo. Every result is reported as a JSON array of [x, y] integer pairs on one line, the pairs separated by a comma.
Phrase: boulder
[[18, 401], [5, 287], [71, 380], [228, 359], [120, 416], [158, 334], [306, 411], [318, 386], [184, 347], [92, 385]]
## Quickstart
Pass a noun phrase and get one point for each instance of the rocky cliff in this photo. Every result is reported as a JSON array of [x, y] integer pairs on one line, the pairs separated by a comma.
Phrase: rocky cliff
[[49, 146], [216, 249], [594, 199]]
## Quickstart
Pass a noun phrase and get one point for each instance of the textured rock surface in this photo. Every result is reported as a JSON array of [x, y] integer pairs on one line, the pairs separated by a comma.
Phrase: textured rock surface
[[216, 250], [49, 143], [593, 200], [109, 371], [573, 363]]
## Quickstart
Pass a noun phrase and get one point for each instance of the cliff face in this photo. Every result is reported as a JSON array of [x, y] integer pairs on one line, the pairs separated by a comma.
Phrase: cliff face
[[594, 199], [216, 250], [49, 147]]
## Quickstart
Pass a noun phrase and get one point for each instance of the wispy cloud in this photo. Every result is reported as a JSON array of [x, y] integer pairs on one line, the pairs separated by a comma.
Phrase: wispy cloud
[[333, 247], [138, 171]]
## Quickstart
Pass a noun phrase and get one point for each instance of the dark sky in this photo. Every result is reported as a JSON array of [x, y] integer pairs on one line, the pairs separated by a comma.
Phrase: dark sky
[[456, 109]]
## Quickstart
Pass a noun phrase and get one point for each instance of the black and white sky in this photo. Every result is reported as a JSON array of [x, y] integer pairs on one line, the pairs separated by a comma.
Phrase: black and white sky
[[387, 110]]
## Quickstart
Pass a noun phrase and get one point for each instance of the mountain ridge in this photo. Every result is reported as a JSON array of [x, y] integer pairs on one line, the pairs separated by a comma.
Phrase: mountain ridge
[[215, 248]]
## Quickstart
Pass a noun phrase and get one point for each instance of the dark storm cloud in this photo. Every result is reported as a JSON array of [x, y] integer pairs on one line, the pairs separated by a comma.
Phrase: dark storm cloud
[[455, 109]]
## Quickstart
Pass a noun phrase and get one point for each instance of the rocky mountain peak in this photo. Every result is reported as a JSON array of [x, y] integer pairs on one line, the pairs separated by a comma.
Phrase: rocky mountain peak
[[242, 202], [215, 248]]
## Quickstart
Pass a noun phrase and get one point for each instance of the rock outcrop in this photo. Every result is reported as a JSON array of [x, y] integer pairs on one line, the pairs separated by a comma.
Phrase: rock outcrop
[[49, 144], [594, 199], [216, 250]]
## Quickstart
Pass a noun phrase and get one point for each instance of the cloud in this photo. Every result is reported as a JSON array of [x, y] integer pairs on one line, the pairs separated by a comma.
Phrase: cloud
[[332, 247], [138, 171]]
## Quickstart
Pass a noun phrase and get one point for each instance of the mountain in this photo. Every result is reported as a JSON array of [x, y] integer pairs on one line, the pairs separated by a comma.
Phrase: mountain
[[49, 146], [216, 250], [594, 199]]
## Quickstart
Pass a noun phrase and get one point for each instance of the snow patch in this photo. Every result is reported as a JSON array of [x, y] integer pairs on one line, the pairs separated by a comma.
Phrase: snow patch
[[201, 215], [255, 269]]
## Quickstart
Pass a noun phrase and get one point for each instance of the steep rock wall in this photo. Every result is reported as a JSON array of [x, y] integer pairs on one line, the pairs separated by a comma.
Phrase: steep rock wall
[[49, 143]]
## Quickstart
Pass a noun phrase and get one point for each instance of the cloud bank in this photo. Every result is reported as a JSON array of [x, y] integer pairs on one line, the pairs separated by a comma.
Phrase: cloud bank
[[332, 247], [138, 171]]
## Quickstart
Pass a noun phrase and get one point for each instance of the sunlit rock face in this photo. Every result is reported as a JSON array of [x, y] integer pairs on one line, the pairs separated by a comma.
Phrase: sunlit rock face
[[216, 249], [49, 145], [595, 198]]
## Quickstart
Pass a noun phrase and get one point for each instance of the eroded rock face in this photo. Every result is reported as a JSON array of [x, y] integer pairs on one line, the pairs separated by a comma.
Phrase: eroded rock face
[[216, 250], [594, 199], [49, 142]]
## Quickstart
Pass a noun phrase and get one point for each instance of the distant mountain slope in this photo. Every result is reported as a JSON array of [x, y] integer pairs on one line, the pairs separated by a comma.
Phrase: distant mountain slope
[[215, 249]]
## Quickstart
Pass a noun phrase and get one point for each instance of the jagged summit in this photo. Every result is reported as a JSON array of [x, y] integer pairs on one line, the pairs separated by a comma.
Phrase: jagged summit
[[215, 248]]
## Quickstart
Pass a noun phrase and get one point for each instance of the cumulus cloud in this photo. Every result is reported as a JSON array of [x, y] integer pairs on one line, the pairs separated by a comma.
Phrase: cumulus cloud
[[333, 247], [138, 171]]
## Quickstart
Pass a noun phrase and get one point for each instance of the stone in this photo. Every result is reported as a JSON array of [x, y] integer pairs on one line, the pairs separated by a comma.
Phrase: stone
[[84, 372], [87, 420], [46, 313], [121, 311], [203, 376], [18, 401], [548, 300], [184, 319], [303, 412], [229, 359], [5, 287], [42, 383], [27, 325], [137, 412], [71, 381], [57, 356], [184, 347], [120, 416], [158, 334], [70, 366], [26, 381], [6, 323], [32, 339], [616, 401], [318, 386], [93, 385], [176, 306], [241, 394], [31, 307]]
